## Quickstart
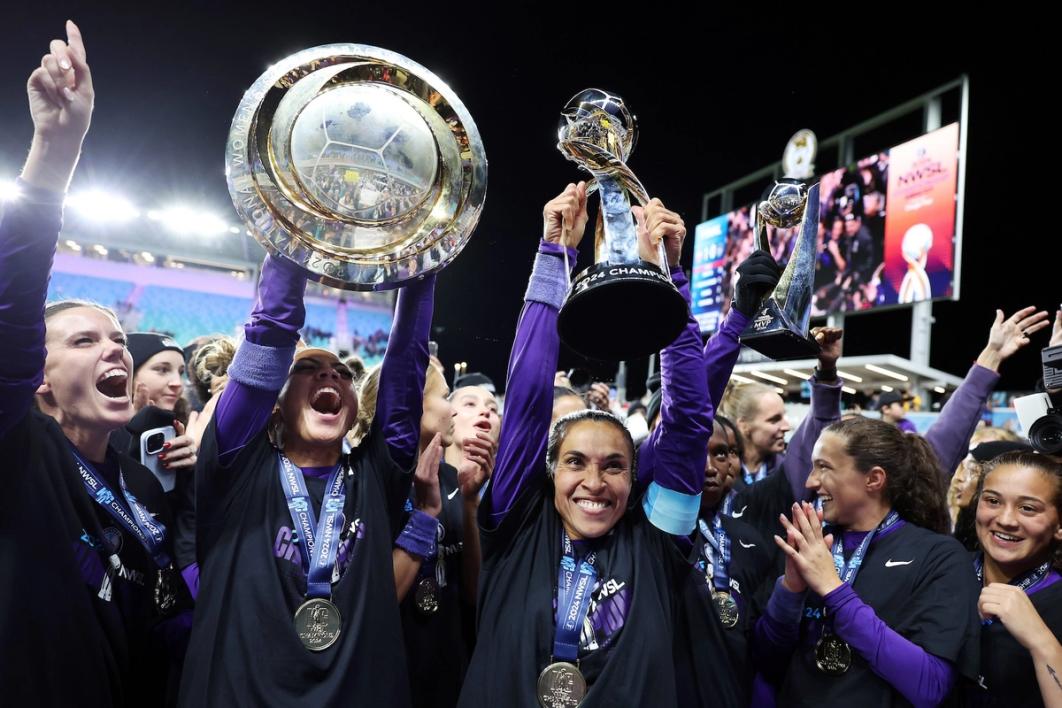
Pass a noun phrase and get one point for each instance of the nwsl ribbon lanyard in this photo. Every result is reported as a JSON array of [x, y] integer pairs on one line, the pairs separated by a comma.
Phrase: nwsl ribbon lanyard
[[849, 570], [1022, 582], [141, 524], [318, 541], [728, 502], [717, 552], [753, 477], [574, 585]]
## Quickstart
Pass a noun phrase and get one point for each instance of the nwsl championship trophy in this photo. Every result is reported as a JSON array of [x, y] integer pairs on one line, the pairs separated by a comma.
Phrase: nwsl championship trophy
[[357, 164], [779, 330], [622, 307]]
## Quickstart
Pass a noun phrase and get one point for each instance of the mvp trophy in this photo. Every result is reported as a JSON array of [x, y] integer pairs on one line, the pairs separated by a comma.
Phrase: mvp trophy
[[622, 307], [779, 330], [357, 164]]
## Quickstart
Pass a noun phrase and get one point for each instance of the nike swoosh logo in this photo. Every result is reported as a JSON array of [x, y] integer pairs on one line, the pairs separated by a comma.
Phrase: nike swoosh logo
[[746, 545], [739, 514], [453, 494], [892, 564]]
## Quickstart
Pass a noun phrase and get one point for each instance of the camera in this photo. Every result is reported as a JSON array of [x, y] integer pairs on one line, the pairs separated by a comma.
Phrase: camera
[[1040, 414], [154, 443]]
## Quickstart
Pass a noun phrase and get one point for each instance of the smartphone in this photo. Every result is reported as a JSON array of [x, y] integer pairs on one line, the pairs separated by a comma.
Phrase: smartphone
[[151, 444]]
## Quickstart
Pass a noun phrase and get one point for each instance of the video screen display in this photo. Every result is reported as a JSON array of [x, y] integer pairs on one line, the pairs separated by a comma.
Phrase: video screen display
[[886, 234]]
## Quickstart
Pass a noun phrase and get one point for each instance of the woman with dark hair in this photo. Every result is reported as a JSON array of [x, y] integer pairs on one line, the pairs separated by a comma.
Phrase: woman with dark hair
[[731, 580], [297, 598], [578, 594], [1019, 533], [877, 608]]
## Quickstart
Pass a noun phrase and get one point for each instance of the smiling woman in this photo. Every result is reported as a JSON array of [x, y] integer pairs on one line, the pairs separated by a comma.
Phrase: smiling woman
[[877, 605], [578, 600], [1019, 531], [89, 531], [274, 466], [590, 456]]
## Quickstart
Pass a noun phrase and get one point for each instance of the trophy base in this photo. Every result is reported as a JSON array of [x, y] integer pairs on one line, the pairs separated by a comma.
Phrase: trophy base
[[619, 312], [773, 335]]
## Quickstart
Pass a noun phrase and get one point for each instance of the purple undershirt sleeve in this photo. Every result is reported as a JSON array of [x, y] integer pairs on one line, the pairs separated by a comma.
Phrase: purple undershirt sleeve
[[950, 433], [29, 229], [825, 409], [260, 367], [721, 352], [400, 400], [190, 573], [529, 383], [679, 443], [777, 631], [922, 678]]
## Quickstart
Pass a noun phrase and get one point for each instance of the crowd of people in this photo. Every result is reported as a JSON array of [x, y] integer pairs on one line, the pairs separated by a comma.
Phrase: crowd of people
[[256, 522]]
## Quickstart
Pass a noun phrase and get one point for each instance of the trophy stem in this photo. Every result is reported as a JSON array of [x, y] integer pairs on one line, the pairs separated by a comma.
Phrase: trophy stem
[[621, 233]]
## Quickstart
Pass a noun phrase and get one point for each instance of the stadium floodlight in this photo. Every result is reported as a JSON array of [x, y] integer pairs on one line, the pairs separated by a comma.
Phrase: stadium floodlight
[[188, 221], [8, 191], [103, 207]]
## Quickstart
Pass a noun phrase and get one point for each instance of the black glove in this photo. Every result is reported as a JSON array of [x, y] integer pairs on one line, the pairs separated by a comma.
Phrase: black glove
[[759, 275]]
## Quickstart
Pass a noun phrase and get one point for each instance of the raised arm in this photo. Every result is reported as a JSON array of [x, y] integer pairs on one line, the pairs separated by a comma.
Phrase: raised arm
[[260, 367], [60, 98], [758, 274], [405, 363], [533, 361], [951, 432], [680, 441], [825, 409]]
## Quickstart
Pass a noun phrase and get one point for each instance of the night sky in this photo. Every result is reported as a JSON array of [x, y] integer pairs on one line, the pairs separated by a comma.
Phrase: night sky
[[717, 95]]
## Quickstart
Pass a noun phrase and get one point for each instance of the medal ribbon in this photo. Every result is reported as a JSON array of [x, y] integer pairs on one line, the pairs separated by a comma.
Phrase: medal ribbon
[[717, 552], [141, 524], [318, 540], [728, 502], [1022, 582], [753, 477], [849, 570], [575, 582]]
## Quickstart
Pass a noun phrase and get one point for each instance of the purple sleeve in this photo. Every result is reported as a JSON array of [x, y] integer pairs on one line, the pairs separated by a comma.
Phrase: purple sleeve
[[29, 228], [680, 442], [405, 364], [950, 434], [190, 574], [777, 631], [721, 353], [825, 409], [260, 367], [922, 678], [529, 384]]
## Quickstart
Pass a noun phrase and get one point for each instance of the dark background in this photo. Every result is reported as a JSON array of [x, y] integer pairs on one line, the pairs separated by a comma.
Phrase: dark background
[[717, 93]]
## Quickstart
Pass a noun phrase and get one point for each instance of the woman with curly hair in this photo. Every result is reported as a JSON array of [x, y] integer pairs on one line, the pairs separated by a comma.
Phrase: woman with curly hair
[[877, 607]]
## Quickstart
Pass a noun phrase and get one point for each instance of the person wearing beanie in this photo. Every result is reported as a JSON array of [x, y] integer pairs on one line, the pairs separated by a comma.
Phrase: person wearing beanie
[[158, 365]]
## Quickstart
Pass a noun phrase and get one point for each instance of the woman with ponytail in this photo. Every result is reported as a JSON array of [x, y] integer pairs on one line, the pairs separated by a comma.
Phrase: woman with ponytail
[[875, 607], [1019, 534]]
